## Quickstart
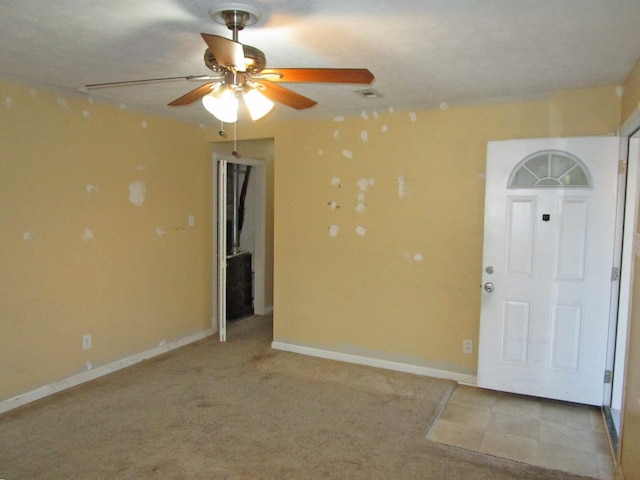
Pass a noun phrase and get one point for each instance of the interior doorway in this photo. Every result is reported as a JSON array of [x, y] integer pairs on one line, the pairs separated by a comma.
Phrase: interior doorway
[[243, 249]]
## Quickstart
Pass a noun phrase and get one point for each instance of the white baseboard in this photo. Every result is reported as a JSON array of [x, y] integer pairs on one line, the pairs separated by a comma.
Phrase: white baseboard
[[370, 361], [92, 374]]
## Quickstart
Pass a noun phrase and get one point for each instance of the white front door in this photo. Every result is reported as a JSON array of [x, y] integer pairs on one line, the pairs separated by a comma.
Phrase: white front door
[[547, 267]]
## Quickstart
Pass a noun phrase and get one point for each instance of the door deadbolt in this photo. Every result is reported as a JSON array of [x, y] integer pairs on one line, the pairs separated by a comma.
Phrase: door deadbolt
[[488, 287]]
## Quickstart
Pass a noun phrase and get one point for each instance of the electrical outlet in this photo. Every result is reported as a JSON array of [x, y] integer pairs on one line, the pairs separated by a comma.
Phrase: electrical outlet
[[467, 346], [86, 342]]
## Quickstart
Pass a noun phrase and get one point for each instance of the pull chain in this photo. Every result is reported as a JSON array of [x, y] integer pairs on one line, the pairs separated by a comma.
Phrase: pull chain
[[235, 144]]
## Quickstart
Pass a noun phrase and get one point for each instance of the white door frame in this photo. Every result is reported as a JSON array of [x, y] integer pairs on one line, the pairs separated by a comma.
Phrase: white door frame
[[617, 287], [259, 255], [220, 235], [629, 131]]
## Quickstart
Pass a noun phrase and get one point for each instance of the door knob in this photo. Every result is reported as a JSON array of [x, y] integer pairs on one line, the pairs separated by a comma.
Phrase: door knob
[[488, 287]]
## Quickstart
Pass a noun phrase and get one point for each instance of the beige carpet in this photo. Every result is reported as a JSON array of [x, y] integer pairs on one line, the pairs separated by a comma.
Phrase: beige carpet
[[242, 411]]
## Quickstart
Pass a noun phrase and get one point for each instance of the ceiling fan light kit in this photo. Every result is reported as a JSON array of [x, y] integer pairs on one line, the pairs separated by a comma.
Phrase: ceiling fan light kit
[[239, 72], [257, 104], [222, 103]]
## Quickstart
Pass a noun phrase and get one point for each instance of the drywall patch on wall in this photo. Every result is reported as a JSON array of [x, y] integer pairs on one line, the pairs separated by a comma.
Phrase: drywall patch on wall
[[333, 231], [8, 101], [361, 231], [410, 259], [365, 183], [402, 186], [137, 192], [347, 154], [335, 181], [87, 234], [364, 136]]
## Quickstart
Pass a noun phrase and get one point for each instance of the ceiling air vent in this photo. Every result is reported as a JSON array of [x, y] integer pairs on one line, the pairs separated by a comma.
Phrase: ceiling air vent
[[368, 93]]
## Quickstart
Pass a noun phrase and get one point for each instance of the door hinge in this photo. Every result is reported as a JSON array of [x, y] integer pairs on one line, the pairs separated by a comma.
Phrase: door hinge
[[615, 274], [622, 167], [608, 376]]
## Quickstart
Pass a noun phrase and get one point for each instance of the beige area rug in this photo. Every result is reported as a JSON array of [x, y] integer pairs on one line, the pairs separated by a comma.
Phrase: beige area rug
[[239, 410]]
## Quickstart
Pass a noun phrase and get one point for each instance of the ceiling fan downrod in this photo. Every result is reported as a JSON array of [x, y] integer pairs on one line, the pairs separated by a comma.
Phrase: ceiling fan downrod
[[235, 20]]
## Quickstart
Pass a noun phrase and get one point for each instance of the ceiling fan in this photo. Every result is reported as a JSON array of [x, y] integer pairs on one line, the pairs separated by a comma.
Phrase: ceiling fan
[[239, 71]]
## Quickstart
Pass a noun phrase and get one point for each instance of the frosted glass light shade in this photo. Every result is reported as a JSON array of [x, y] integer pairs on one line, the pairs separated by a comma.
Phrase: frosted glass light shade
[[257, 103], [223, 104]]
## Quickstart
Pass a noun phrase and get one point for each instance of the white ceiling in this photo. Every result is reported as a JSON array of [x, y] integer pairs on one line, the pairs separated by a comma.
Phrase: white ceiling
[[423, 53]]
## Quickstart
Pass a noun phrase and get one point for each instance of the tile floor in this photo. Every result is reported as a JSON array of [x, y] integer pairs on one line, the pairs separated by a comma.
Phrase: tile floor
[[543, 432]]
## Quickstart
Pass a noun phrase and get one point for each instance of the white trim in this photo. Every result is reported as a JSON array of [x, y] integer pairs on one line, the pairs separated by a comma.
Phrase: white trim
[[46, 390], [631, 124], [220, 234], [629, 245], [259, 250], [370, 362]]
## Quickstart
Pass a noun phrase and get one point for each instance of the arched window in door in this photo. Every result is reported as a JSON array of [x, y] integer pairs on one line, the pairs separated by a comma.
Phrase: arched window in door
[[550, 168]]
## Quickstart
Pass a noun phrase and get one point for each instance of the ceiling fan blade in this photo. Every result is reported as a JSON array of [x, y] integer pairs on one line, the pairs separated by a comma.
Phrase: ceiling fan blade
[[228, 53], [194, 95], [319, 75], [127, 83], [284, 95]]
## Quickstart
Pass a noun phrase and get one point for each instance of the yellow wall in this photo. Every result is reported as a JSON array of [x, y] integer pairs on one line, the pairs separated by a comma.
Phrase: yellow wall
[[77, 256], [631, 93], [630, 443], [407, 289]]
